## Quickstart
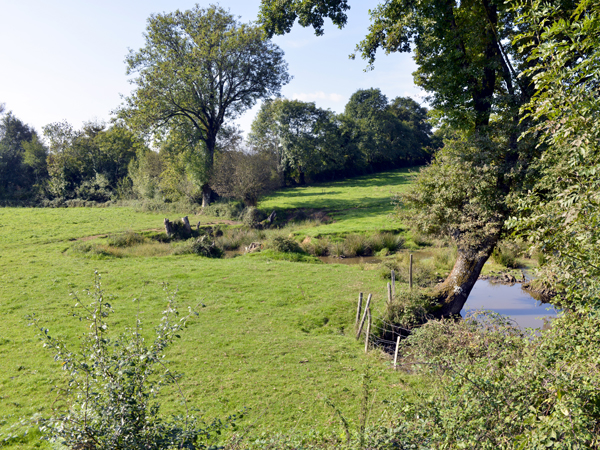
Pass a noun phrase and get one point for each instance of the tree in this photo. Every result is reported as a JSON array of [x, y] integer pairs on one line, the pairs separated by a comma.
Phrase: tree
[[303, 136], [18, 165], [387, 134], [560, 213], [201, 67], [91, 162], [244, 175], [474, 76]]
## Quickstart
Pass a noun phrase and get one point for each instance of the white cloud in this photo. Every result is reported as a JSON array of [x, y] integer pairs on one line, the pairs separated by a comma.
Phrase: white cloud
[[319, 95]]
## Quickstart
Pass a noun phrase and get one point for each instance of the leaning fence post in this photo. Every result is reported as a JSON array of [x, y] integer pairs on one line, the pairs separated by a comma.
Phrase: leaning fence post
[[396, 352], [368, 330], [389, 293], [360, 297], [410, 272], [362, 322], [393, 283]]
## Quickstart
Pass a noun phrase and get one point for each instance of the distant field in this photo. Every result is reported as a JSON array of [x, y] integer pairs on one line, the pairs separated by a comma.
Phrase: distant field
[[273, 336], [360, 204]]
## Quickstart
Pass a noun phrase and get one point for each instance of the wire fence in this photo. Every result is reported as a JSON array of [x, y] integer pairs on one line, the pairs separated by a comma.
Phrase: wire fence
[[378, 331]]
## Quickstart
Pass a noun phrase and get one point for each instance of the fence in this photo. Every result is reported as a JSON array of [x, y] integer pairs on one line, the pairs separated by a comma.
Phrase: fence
[[387, 329]]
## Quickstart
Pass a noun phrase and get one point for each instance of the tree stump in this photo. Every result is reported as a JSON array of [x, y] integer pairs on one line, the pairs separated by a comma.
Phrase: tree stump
[[168, 228], [186, 224]]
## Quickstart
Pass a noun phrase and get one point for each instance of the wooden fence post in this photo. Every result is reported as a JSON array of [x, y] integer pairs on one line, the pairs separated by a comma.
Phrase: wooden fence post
[[362, 322], [358, 310], [368, 331], [396, 352], [393, 284], [410, 272], [389, 293]]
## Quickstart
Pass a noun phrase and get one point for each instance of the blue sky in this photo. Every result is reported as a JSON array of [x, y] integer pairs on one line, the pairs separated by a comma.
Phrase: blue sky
[[64, 60]]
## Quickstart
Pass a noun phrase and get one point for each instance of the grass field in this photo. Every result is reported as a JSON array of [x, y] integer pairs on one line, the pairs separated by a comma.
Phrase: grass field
[[356, 205], [272, 336]]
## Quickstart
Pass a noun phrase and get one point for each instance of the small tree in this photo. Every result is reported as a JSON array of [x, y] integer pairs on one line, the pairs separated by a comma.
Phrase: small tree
[[245, 176], [113, 385]]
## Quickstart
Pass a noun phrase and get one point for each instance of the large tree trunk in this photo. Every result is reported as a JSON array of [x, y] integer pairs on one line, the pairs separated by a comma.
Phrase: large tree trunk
[[452, 294], [206, 194]]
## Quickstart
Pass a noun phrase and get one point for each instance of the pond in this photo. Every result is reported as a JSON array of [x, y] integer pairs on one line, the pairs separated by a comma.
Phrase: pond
[[511, 301]]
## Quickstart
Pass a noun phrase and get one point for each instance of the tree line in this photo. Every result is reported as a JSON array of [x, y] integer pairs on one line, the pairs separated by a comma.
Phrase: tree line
[[291, 142]]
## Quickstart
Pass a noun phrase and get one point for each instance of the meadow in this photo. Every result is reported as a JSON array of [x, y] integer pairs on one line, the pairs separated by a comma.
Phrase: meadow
[[273, 337]]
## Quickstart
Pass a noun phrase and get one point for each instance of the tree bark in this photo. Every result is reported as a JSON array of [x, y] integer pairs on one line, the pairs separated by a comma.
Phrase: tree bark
[[452, 294], [206, 194], [187, 225]]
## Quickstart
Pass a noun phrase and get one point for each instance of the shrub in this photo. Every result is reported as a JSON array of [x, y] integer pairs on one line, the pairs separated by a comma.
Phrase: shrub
[[202, 246], [284, 245], [224, 210], [316, 247], [501, 388], [506, 255], [356, 245], [244, 176], [251, 217], [114, 382], [336, 249]]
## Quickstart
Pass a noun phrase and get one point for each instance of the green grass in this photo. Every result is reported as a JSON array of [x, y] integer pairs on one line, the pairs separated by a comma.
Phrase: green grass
[[357, 205], [273, 336]]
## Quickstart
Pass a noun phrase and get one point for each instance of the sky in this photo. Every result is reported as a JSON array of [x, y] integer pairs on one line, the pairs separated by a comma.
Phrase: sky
[[64, 60]]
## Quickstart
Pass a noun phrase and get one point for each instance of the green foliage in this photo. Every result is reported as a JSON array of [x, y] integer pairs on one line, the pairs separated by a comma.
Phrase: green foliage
[[225, 210], [560, 213], [502, 388], [202, 246], [201, 42], [284, 245], [89, 163], [111, 396], [410, 308], [299, 136], [356, 245], [506, 255], [252, 216], [244, 176], [22, 160]]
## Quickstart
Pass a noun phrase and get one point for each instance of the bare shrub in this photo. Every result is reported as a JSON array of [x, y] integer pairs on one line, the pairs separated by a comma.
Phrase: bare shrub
[[244, 176]]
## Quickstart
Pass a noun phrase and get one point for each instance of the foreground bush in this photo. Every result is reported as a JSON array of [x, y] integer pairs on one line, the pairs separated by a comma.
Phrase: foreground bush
[[501, 388], [114, 381]]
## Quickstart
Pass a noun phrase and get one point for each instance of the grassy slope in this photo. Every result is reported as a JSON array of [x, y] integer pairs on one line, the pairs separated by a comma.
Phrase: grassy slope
[[275, 336], [360, 204]]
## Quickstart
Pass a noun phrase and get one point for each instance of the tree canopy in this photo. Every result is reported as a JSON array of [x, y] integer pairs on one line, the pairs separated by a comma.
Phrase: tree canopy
[[475, 80], [201, 67]]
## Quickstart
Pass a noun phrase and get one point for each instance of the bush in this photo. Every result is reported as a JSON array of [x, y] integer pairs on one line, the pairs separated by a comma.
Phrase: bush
[[356, 245], [501, 388], [284, 245], [114, 382], [316, 247], [224, 210], [244, 176], [506, 255], [202, 246], [251, 217]]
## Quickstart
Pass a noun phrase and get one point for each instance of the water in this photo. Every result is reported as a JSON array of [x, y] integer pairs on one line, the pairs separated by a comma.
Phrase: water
[[511, 301]]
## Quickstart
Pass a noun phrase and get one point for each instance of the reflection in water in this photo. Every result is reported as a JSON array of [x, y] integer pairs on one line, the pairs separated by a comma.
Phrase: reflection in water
[[511, 301]]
